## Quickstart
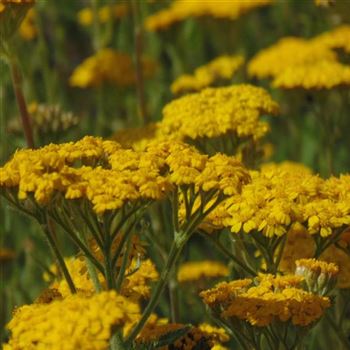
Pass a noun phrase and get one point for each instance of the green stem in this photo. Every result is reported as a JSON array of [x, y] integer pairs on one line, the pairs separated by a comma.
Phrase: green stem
[[58, 256], [121, 273], [117, 343], [174, 254], [230, 255], [78, 242], [341, 337]]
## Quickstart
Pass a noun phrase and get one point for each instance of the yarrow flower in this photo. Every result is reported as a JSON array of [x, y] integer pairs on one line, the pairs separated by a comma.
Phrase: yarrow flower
[[76, 322], [273, 299], [194, 271], [109, 66], [337, 38], [182, 9], [221, 68], [286, 53], [52, 169], [320, 276], [214, 112], [317, 75]]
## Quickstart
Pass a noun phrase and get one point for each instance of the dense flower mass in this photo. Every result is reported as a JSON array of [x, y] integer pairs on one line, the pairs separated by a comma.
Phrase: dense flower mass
[[274, 299], [76, 322], [108, 66], [109, 176], [279, 196], [286, 53], [194, 271], [216, 111], [182, 9], [319, 75], [337, 38], [221, 68]]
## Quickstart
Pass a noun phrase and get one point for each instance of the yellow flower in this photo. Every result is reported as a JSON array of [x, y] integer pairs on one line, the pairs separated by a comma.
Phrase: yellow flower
[[109, 66], [287, 53], [316, 75], [216, 111], [221, 68], [320, 277], [271, 300], [76, 322], [337, 38], [194, 271], [180, 10]]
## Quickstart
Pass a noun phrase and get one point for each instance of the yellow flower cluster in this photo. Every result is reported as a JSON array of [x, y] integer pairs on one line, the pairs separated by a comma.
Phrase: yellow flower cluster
[[307, 64], [286, 53], [320, 277], [274, 299], [194, 271], [337, 38], [97, 177], [205, 336], [217, 111], [105, 14], [278, 197], [180, 10], [319, 75], [76, 322], [137, 138], [109, 66], [317, 266], [109, 176], [136, 284], [300, 245], [221, 68], [189, 167]]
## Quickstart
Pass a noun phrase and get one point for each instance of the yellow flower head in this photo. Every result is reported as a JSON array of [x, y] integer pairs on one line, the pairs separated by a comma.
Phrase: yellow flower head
[[87, 169], [221, 68], [216, 111], [320, 276], [314, 76], [286, 54], [182, 9], [273, 299], [109, 66], [337, 38], [76, 322], [194, 271]]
